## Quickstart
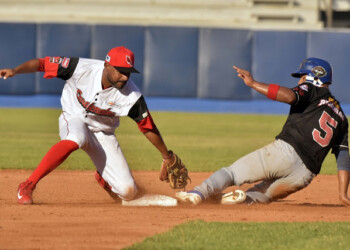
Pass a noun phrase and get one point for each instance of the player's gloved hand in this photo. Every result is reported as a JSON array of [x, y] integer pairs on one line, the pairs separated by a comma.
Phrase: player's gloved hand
[[174, 171]]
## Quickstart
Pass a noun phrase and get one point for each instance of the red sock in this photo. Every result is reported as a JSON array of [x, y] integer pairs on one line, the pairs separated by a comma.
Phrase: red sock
[[56, 155]]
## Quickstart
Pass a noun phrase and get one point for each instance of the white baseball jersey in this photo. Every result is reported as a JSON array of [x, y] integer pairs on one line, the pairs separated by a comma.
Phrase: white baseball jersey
[[84, 97]]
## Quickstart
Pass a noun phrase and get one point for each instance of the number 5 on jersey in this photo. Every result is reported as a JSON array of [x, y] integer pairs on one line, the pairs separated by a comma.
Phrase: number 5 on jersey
[[326, 123]]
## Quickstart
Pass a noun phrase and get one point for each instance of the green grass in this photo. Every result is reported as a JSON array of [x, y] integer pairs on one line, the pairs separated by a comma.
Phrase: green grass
[[215, 235], [205, 142]]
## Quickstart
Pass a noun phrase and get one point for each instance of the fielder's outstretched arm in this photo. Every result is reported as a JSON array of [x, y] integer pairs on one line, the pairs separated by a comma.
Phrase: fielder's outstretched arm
[[154, 136], [272, 91], [156, 139], [141, 115], [30, 66]]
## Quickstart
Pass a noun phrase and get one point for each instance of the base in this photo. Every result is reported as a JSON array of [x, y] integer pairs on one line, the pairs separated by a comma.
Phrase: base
[[151, 200]]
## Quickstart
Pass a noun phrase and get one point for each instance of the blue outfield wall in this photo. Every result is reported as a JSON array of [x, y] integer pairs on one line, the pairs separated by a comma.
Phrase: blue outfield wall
[[175, 104], [60, 40], [276, 55], [335, 47], [170, 65], [219, 50], [18, 44], [177, 62]]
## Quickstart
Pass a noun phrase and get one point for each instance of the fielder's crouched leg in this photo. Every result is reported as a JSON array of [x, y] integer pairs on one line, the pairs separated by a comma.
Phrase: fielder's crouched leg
[[128, 192]]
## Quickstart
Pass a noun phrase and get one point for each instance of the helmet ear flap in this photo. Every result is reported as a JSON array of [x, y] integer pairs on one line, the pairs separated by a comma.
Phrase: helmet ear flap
[[314, 80]]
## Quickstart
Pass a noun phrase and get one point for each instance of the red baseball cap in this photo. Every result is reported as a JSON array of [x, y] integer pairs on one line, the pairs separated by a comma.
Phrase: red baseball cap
[[122, 59]]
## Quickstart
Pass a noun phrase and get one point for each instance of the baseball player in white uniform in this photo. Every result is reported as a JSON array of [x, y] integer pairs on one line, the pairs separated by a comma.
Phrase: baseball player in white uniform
[[95, 95]]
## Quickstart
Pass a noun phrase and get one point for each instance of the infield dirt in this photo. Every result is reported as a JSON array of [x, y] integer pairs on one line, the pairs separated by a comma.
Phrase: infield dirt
[[72, 212]]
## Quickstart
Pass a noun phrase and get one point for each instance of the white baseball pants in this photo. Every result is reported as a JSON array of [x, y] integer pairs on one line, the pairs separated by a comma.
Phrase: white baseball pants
[[104, 151]]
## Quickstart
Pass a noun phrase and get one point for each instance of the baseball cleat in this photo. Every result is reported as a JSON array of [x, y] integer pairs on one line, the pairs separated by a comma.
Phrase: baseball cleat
[[193, 197], [105, 185], [24, 193], [235, 197]]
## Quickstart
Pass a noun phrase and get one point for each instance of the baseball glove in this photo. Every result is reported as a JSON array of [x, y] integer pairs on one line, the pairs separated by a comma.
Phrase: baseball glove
[[174, 171]]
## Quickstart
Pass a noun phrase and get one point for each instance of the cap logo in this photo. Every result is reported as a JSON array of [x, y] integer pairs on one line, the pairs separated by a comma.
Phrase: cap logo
[[108, 58], [128, 61], [319, 71]]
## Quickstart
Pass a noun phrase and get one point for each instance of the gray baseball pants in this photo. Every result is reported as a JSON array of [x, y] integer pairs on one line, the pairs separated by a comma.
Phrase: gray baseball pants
[[278, 167]]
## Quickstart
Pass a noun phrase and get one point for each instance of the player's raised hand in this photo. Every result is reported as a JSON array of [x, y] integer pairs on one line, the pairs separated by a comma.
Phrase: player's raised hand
[[245, 75], [6, 73]]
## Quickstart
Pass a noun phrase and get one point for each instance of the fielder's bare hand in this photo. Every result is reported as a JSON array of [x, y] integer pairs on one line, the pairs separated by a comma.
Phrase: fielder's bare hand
[[245, 75], [6, 73]]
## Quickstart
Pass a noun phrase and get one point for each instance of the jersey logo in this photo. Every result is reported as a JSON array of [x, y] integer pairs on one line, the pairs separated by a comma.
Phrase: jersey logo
[[91, 106], [56, 59], [304, 87], [65, 62], [299, 91], [112, 104]]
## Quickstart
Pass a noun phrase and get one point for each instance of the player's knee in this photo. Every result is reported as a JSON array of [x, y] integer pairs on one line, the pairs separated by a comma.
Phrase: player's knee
[[128, 192], [78, 138]]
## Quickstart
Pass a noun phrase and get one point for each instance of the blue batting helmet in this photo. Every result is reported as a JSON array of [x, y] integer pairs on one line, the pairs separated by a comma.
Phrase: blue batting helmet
[[317, 71]]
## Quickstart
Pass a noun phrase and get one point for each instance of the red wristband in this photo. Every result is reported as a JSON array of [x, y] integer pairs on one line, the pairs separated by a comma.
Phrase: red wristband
[[272, 91]]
